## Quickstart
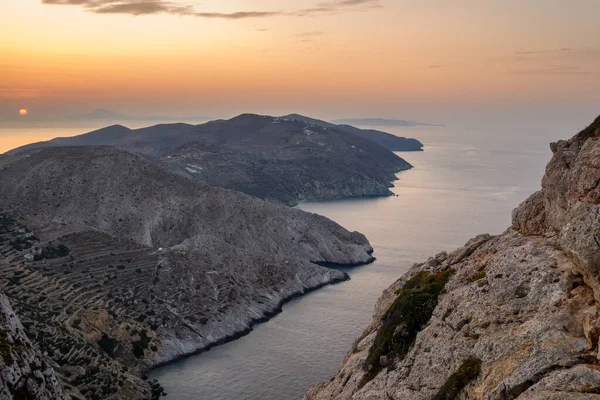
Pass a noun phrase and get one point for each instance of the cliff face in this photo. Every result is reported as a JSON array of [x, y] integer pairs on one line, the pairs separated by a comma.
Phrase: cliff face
[[505, 317], [24, 372]]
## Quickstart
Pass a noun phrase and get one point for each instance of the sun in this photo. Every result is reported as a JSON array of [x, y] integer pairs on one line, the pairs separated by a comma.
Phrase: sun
[[23, 112]]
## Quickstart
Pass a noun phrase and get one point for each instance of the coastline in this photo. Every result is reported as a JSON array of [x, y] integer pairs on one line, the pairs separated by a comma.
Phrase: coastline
[[267, 316], [358, 196]]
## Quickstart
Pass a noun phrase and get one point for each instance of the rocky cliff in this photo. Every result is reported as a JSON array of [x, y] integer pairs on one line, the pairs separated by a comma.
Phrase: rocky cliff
[[283, 160], [514, 316], [24, 372], [115, 265]]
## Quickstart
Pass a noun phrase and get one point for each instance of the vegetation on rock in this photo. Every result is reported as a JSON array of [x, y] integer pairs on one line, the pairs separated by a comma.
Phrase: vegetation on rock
[[406, 317], [5, 349], [468, 370]]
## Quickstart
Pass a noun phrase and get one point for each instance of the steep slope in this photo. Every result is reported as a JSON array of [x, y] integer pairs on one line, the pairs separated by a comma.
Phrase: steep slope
[[514, 316], [124, 194], [130, 266], [279, 159], [24, 372]]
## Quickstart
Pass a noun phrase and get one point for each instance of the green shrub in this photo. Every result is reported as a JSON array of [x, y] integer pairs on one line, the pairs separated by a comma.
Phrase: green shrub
[[405, 318], [5, 349], [140, 345], [108, 344], [478, 276], [469, 369], [50, 252]]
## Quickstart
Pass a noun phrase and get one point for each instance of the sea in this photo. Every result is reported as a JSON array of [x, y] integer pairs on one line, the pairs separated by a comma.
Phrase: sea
[[466, 182]]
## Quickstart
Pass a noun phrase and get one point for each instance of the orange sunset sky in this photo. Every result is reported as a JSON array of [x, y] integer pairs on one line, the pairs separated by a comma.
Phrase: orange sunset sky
[[405, 59]]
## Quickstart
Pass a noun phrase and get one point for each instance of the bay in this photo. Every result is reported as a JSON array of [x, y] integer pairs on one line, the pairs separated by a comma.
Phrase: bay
[[466, 182]]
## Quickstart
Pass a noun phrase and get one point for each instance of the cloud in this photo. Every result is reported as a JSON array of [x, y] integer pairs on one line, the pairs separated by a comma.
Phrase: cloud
[[236, 15], [552, 69], [147, 7], [310, 34], [142, 7], [435, 66], [334, 7], [537, 52], [559, 61]]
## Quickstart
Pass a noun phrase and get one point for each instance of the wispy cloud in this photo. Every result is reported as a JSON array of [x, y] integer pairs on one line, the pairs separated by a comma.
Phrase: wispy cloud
[[557, 69], [147, 7], [310, 34], [435, 66], [538, 52], [334, 7], [583, 54], [142, 7], [559, 61]]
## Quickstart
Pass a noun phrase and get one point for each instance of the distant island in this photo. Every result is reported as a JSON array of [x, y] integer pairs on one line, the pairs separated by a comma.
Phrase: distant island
[[285, 159], [380, 122]]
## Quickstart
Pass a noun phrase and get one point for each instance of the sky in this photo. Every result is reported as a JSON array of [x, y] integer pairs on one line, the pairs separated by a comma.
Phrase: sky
[[427, 60]]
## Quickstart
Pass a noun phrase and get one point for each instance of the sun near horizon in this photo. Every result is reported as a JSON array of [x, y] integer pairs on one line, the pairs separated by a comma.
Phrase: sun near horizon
[[426, 60]]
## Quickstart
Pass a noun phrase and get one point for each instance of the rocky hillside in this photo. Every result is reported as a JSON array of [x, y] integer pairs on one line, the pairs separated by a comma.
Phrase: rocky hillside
[[285, 159], [384, 139], [24, 372], [514, 316], [115, 265]]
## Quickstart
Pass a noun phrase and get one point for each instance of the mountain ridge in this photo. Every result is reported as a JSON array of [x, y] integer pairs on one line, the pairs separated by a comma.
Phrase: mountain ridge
[[280, 159]]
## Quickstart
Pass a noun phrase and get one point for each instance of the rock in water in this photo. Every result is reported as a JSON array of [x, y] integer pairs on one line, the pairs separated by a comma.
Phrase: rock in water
[[519, 316]]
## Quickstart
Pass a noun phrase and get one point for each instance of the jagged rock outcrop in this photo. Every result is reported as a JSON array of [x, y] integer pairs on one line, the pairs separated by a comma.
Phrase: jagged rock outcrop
[[116, 265], [518, 317], [284, 160], [24, 372]]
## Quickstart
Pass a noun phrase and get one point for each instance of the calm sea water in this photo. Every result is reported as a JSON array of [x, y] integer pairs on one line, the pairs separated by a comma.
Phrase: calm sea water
[[465, 183]]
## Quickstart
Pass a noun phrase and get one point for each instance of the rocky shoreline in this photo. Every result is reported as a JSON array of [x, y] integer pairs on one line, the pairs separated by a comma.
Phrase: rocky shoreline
[[253, 322], [513, 316]]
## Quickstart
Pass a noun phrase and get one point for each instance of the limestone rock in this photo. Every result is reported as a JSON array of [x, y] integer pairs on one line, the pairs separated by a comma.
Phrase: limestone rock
[[24, 372]]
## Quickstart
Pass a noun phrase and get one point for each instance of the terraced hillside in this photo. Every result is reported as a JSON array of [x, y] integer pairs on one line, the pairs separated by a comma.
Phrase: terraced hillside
[[285, 160], [115, 265], [66, 298]]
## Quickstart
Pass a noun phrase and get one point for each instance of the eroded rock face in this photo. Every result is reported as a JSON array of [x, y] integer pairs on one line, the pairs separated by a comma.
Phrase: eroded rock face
[[524, 303], [24, 372]]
